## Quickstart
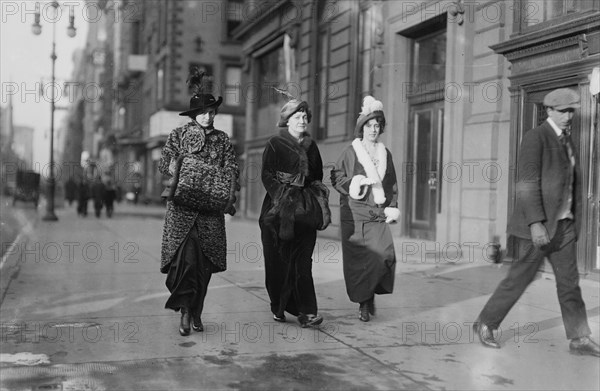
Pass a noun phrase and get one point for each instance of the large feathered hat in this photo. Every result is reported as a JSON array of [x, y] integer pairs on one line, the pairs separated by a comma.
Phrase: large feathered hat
[[291, 107], [199, 102], [371, 108]]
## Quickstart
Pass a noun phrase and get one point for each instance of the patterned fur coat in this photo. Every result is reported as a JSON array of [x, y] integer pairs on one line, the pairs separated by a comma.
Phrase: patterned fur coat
[[214, 148]]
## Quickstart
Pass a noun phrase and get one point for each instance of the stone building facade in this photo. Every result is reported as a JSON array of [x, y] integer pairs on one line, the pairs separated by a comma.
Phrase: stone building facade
[[156, 44], [460, 82]]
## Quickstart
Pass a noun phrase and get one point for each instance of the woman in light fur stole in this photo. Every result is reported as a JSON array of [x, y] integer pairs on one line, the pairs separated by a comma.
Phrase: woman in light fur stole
[[365, 177]]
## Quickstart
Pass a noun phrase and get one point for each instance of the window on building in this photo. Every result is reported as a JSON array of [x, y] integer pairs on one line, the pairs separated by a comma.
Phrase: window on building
[[365, 53], [121, 118], [429, 62], [232, 94], [136, 29], [322, 83], [270, 73], [208, 80], [163, 14], [534, 12], [235, 13], [160, 83]]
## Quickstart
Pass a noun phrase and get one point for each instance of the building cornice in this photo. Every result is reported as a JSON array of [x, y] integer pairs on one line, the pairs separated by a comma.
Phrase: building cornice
[[548, 38], [241, 31]]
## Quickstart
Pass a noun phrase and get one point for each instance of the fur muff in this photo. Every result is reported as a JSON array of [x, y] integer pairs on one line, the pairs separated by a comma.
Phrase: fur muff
[[391, 214], [309, 205]]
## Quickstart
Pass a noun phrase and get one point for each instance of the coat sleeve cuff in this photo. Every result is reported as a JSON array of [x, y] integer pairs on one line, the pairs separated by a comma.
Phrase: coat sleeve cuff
[[355, 188], [392, 214]]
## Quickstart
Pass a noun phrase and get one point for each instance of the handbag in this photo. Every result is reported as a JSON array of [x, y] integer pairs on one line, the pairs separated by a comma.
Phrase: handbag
[[200, 186]]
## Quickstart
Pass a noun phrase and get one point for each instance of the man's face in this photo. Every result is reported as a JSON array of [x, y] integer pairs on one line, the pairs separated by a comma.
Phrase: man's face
[[562, 118], [206, 119]]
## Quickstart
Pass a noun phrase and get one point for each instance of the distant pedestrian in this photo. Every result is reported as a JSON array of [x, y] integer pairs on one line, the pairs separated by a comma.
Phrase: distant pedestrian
[[83, 195], [98, 190], [110, 193], [137, 189], [294, 208], [365, 177], [119, 193], [194, 242], [545, 224], [70, 190]]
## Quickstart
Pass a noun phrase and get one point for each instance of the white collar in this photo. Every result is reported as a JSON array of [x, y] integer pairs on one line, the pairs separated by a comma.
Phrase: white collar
[[555, 127]]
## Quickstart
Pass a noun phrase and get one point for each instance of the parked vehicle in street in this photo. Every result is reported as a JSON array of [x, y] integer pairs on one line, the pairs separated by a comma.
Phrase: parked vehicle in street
[[27, 187]]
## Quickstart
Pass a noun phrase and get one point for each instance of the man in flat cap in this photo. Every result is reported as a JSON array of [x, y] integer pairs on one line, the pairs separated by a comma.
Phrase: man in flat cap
[[545, 223]]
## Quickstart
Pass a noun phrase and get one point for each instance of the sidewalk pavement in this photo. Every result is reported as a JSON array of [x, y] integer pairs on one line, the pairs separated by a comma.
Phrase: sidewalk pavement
[[83, 306]]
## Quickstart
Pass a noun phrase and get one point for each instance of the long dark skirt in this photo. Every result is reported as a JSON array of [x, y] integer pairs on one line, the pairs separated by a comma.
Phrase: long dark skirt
[[188, 276], [368, 253], [288, 272]]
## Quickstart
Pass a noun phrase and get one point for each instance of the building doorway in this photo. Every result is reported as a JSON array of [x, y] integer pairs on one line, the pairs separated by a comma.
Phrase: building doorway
[[423, 168], [534, 114], [425, 96]]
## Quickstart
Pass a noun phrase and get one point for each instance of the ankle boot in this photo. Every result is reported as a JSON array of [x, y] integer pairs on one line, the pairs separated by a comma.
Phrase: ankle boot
[[197, 322], [363, 312], [371, 305], [184, 324]]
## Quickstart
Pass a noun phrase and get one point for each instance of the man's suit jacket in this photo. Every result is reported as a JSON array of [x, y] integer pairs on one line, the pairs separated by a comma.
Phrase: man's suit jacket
[[542, 182]]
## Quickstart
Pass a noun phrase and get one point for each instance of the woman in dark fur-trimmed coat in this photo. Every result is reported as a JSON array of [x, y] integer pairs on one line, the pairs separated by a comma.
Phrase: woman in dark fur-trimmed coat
[[365, 177], [194, 244], [294, 208]]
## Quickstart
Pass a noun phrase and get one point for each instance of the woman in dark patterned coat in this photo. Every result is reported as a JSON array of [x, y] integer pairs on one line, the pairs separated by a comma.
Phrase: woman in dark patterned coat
[[194, 243], [365, 177], [294, 208]]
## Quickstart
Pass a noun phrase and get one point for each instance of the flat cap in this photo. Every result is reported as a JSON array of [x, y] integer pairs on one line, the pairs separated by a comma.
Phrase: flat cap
[[562, 98]]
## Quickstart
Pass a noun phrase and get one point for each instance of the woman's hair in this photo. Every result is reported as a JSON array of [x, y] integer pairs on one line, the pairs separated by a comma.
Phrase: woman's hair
[[215, 109], [301, 110], [380, 121]]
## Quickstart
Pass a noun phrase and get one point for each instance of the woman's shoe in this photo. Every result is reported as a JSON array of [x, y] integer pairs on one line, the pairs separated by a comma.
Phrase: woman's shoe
[[279, 318], [310, 320], [363, 312], [197, 323], [371, 305], [184, 324]]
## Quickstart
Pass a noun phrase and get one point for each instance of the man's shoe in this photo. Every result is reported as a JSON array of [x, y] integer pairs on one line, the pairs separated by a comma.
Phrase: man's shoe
[[310, 320], [184, 324], [486, 335], [371, 305], [584, 346], [197, 323], [363, 312]]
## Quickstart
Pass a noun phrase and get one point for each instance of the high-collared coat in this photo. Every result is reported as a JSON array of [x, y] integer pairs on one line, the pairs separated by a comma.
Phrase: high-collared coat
[[367, 244], [300, 165], [543, 177], [215, 148]]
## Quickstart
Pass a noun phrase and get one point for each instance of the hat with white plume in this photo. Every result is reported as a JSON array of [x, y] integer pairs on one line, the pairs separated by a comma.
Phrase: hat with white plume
[[371, 108]]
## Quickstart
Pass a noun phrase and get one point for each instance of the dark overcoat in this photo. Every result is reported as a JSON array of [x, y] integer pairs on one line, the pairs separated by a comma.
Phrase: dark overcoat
[[543, 177], [302, 162], [216, 149]]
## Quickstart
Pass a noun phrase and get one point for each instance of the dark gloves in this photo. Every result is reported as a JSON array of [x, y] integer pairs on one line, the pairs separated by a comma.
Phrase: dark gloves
[[230, 207]]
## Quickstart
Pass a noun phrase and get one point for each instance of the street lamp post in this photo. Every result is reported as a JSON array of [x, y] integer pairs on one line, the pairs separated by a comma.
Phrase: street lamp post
[[36, 28]]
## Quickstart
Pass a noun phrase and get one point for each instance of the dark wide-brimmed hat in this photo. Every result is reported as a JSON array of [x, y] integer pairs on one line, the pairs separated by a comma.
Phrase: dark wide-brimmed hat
[[200, 103], [290, 108], [371, 108]]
